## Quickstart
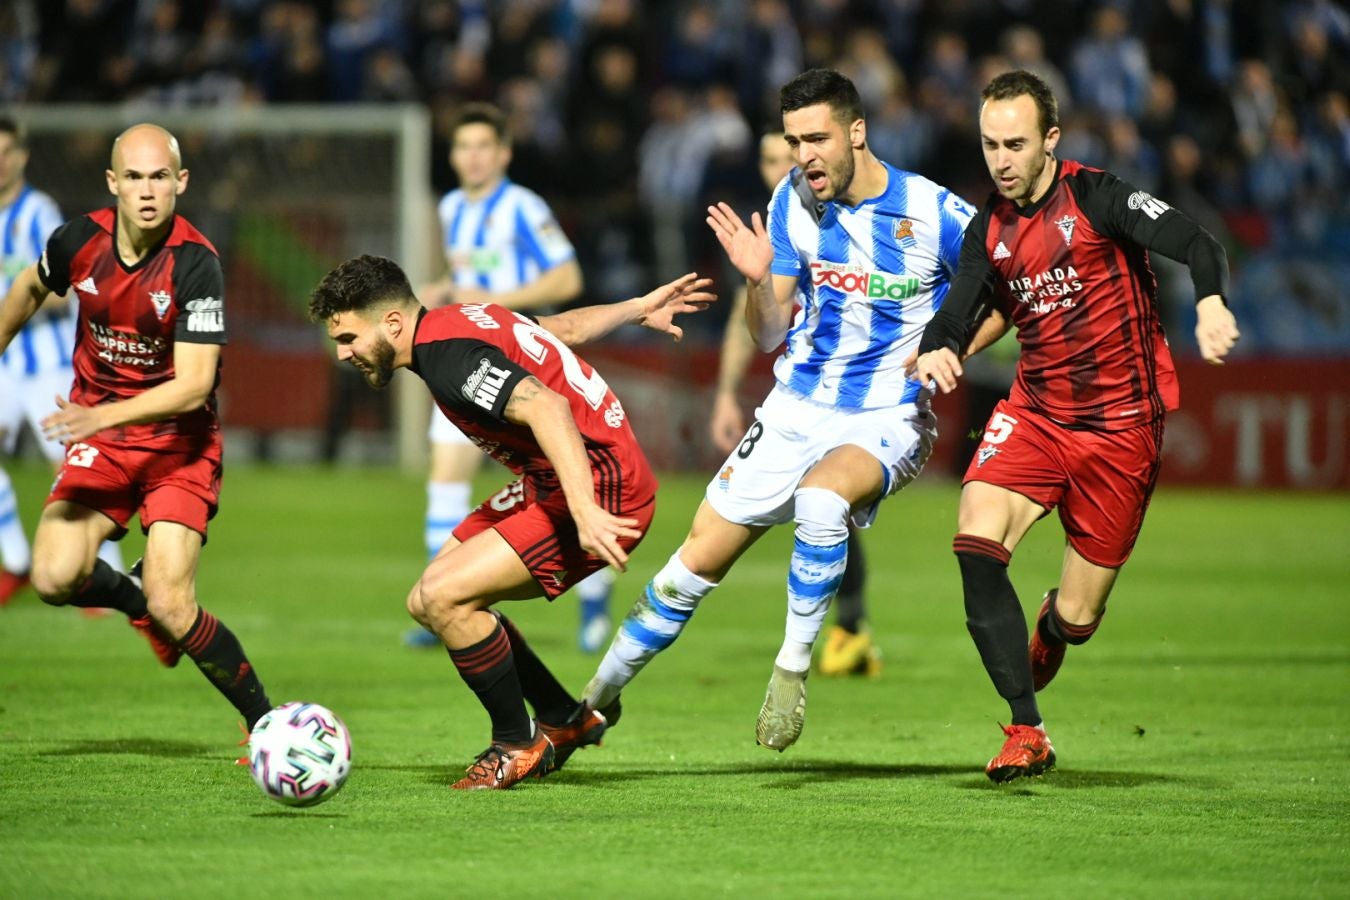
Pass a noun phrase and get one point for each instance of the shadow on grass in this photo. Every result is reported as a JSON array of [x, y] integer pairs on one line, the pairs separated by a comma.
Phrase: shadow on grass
[[297, 813], [133, 747], [1075, 779]]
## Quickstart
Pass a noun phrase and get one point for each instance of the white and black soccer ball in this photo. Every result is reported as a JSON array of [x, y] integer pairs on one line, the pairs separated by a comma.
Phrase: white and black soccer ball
[[300, 754]]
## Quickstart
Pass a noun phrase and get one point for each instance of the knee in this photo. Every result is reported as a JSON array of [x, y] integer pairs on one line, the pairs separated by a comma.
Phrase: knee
[[436, 602], [821, 515], [55, 582]]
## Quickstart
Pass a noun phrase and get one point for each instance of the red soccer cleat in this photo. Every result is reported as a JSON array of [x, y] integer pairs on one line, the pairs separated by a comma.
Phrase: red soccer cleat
[[167, 651], [502, 765], [10, 584], [1046, 658], [585, 727], [1026, 753]]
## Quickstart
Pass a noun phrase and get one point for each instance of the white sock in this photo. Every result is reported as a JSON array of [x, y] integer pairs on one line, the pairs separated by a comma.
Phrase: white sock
[[15, 553], [651, 626], [596, 587], [111, 553], [819, 556], [447, 505]]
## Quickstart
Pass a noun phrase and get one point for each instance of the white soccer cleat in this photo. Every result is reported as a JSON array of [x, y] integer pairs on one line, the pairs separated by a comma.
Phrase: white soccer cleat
[[784, 710]]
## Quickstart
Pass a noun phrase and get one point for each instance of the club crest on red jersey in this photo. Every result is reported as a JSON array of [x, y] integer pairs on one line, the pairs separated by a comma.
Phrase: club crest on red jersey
[[1065, 226], [162, 301]]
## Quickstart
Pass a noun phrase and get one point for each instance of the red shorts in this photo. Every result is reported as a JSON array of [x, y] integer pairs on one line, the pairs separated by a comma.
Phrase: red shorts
[[173, 480], [1100, 480], [544, 536]]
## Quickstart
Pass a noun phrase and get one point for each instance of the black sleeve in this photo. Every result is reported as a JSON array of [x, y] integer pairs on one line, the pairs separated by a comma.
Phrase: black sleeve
[[964, 305], [65, 242], [199, 291], [469, 374], [1120, 210]]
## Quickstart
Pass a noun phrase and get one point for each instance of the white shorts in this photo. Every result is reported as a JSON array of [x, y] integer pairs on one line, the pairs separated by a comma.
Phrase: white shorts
[[31, 398], [441, 431], [790, 435]]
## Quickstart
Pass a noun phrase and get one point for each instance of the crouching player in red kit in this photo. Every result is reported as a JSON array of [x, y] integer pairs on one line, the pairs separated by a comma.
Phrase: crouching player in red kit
[[584, 497]]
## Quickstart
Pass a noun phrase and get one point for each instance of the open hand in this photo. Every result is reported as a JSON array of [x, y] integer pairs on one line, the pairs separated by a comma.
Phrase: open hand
[[686, 294], [748, 248]]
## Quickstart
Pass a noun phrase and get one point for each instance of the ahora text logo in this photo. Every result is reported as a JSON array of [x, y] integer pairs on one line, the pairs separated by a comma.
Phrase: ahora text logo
[[874, 285]]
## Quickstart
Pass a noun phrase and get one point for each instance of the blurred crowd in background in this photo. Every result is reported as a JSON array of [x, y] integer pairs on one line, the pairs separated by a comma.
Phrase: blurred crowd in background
[[629, 117]]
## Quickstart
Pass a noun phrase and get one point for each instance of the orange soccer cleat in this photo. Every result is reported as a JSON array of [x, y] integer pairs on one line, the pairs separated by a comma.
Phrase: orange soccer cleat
[[167, 651], [1046, 658], [11, 583], [585, 727], [502, 765], [1026, 753]]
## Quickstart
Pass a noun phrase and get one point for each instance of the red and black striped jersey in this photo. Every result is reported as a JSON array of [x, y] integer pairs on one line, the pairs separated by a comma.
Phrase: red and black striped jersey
[[1071, 271], [131, 316], [473, 355]]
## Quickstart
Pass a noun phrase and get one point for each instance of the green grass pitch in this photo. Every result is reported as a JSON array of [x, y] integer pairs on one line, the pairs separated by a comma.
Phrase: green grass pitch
[[1202, 736]]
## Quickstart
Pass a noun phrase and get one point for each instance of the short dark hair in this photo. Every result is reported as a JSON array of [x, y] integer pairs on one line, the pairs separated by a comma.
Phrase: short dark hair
[[12, 127], [1010, 85], [482, 114], [822, 86], [359, 285]]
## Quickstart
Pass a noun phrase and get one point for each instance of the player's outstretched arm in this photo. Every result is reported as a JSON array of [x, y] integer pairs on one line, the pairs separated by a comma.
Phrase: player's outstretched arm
[[1216, 329], [548, 415], [25, 295], [655, 310], [194, 377]]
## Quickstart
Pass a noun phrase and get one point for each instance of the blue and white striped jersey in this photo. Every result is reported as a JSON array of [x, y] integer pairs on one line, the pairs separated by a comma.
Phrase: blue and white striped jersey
[[502, 241], [46, 341], [868, 280]]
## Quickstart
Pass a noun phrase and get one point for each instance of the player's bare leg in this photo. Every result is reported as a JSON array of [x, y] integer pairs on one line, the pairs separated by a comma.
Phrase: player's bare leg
[[1069, 614], [453, 600], [991, 522], [449, 488], [169, 580]]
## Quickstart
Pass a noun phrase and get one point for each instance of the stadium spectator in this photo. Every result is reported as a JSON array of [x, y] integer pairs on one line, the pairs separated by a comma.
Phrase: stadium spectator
[[140, 425], [1110, 68], [1061, 252], [584, 498], [502, 245], [843, 428]]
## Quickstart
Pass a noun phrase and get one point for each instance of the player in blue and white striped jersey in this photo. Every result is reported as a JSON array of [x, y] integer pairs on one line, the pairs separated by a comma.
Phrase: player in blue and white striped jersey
[[37, 364], [856, 258], [502, 245]]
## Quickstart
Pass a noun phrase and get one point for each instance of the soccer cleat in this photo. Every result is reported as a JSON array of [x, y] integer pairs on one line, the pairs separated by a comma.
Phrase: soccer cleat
[[784, 710], [585, 727], [11, 583], [1046, 658], [846, 653], [419, 637], [502, 765], [1026, 753], [167, 651]]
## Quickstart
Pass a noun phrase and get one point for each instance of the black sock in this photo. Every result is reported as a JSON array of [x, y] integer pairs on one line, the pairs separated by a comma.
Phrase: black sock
[[217, 652], [489, 669], [109, 589], [1054, 630], [996, 623], [551, 701], [848, 603]]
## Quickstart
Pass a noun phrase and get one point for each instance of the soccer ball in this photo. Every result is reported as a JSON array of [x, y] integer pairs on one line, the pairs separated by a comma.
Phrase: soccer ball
[[300, 754]]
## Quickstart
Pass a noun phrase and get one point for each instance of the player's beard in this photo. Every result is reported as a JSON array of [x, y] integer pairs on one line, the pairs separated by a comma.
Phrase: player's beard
[[379, 369], [838, 179]]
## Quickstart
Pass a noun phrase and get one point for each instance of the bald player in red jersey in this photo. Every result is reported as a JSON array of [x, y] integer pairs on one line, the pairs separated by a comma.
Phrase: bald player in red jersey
[[140, 425], [1061, 251], [584, 497]]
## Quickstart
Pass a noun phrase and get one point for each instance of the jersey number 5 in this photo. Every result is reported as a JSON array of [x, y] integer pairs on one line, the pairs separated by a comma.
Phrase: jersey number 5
[[1000, 426], [533, 340]]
